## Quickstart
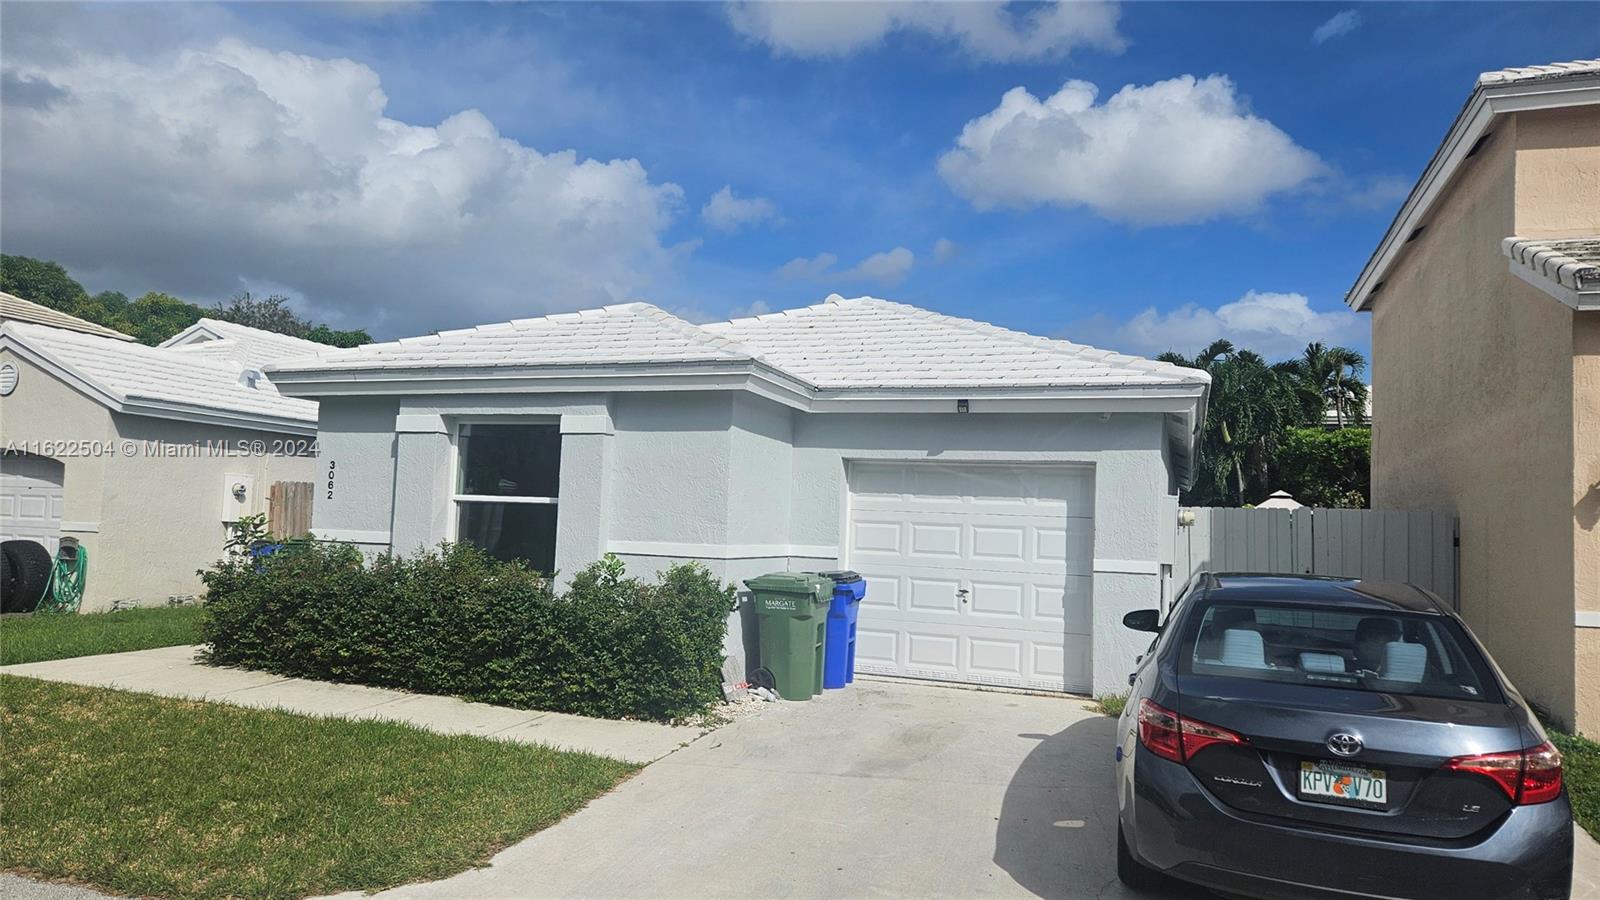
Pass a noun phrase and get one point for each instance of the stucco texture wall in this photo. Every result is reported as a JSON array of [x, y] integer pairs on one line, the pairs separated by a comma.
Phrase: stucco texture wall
[[149, 521], [1586, 510], [1477, 396]]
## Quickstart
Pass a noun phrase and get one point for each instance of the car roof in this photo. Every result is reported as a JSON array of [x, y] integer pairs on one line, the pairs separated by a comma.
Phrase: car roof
[[1356, 593]]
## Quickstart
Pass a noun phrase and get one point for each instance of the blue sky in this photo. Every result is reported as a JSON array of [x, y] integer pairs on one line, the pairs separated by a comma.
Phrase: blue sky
[[219, 148]]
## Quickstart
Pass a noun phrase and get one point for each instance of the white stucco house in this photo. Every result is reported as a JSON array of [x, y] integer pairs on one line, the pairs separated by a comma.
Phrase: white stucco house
[[1007, 497], [142, 454]]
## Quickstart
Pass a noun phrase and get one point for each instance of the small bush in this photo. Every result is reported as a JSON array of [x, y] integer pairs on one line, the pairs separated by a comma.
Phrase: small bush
[[1111, 704], [457, 621]]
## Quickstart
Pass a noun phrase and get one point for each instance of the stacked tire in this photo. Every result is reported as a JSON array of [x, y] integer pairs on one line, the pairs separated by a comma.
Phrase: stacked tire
[[24, 575]]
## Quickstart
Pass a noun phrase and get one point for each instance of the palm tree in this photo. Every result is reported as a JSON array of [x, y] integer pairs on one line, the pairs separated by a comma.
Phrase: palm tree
[[1328, 378], [1251, 406]]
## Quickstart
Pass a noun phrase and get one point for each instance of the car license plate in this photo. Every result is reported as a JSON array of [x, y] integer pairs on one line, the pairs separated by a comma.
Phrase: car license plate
[[1344, 784]]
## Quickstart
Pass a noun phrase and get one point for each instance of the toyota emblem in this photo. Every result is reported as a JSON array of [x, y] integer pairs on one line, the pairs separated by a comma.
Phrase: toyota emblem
[[1344, 744]]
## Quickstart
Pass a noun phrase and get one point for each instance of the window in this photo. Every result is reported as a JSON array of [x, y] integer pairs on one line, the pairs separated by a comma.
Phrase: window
[[507, 481], [1366, 650]]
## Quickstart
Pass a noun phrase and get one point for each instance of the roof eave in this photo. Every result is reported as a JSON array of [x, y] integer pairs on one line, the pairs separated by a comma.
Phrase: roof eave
[[1486, 102]]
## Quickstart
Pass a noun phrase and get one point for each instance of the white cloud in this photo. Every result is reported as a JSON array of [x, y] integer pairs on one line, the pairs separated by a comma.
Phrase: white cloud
[[1275, 325], [888, 267], [726, 211], [227, 163], [988, 31], [1339, 25], [808, 267], [1181, 150], [944, 250]]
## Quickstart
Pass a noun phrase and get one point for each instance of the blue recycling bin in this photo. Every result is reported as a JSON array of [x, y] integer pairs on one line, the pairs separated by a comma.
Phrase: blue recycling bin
[[839, 660]]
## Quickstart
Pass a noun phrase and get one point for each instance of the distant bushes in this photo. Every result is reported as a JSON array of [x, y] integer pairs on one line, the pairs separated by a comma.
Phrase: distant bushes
[[456, 621]]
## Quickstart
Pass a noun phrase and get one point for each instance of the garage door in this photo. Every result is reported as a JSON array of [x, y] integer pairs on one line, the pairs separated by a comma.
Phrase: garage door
[[975, 573], [31, 499]]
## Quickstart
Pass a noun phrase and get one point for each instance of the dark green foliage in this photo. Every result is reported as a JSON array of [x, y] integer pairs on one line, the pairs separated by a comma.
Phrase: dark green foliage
[[456, 621], [155, 316], [1253, 413], [1326, 467], [1580, 768]]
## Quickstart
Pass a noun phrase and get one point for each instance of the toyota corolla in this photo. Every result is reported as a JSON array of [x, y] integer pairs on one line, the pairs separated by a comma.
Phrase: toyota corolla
[[1306, 737]]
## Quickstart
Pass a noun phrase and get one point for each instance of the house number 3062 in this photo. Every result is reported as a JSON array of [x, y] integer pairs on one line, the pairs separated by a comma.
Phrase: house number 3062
[[331, 465]]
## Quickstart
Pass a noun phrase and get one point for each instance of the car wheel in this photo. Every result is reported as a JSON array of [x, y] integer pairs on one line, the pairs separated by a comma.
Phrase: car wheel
[[30, 565], [1133, 873]]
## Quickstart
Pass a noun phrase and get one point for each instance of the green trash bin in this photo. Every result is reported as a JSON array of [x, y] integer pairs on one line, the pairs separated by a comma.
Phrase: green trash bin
[[792, 615]]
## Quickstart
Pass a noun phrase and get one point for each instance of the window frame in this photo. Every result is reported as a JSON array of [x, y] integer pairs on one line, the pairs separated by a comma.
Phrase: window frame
[[457, 429]]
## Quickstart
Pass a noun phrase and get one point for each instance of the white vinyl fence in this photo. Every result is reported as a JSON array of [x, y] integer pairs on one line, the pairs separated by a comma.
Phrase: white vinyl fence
[[1388, 544]]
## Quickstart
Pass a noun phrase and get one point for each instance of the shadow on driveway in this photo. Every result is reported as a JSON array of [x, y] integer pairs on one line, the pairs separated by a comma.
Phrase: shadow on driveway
[[1057, 834]]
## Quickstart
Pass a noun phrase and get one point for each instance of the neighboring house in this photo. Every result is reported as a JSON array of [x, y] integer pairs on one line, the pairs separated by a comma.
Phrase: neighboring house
[[1007, 497], [143, 454], [1485, 302]]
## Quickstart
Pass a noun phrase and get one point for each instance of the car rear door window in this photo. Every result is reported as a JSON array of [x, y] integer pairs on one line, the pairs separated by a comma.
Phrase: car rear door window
[[1374, 650]]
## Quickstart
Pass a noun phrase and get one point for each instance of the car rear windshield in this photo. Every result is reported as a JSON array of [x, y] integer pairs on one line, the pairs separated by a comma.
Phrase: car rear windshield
[[1392, 652]]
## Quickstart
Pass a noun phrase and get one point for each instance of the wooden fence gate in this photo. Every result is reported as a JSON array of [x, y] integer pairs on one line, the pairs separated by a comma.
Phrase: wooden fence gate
[[1393, 545], [289, 508]]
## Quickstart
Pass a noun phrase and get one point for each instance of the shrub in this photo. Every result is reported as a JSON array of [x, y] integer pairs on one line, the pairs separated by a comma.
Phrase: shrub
[[457, 621], [1326, 468]]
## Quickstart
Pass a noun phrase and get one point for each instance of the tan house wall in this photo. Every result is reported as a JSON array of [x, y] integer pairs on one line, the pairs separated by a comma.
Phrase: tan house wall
[[148, 521], [1473, 413], [1586, 510]]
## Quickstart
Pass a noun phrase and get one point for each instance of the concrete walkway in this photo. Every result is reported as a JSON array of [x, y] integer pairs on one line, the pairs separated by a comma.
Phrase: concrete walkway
[[172, 672]]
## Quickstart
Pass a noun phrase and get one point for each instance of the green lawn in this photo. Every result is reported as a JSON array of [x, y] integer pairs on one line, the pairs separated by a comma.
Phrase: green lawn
[[1580, 767], [144, 795], [55, 636]]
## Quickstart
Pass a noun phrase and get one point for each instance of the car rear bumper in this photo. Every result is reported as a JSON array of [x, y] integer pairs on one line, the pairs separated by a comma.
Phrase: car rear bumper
[[1174, 825]]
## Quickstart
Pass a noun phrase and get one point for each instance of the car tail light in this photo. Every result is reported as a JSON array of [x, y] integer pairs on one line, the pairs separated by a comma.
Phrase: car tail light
[[1527, 776], [1171, 736]]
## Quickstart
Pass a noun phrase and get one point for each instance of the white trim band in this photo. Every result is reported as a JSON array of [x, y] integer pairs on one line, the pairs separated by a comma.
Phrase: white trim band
[[1587, 618], [1127, 566], [595, 424], [681, 550], [351, 536], [81, 527], [420, 423]]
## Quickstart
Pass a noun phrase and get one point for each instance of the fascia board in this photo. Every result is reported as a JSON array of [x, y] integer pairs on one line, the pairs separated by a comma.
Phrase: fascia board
[[1470, 125], [64, 372]]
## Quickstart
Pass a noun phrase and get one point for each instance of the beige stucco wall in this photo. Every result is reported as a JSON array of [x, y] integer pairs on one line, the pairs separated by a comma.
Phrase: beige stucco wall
[[1586, 509], [148, 521], [1472, 392]]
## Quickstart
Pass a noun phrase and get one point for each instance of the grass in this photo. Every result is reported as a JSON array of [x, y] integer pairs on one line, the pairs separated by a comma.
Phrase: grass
[[143, 795], [1111, 704], [1580, 768], [39, 637]]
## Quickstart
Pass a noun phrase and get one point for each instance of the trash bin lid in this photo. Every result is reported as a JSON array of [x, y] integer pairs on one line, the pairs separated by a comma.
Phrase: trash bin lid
[[842, 577], [789, 583]]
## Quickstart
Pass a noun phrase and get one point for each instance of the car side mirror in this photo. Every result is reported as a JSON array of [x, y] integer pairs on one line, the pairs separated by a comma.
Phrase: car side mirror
[[1143, 620]]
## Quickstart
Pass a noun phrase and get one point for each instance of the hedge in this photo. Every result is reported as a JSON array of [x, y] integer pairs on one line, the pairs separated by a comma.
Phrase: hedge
[[456, 621]]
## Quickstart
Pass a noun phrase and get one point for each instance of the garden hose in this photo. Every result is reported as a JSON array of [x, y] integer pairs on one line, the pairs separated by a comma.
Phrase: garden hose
[[67, 580]]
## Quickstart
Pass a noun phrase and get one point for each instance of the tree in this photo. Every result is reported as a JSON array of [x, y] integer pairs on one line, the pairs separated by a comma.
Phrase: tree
[[1326, 468], [274, 314], [1251, 406], [156, 316], [1329, 378]]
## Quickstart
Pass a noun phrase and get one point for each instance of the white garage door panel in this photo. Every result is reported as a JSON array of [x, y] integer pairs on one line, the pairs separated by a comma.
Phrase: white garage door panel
[[32, 499], [975, 573]]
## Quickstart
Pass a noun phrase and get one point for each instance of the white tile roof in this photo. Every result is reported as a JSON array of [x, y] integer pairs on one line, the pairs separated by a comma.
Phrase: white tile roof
[[839, 344], [160, 376], [1540, 73], [253, 347], [871, 343], [1573, 263], [16, 309], [627, 333]]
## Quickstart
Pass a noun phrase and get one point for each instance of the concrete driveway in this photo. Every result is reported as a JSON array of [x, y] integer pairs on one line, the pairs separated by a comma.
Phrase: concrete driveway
[[887, 789]]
